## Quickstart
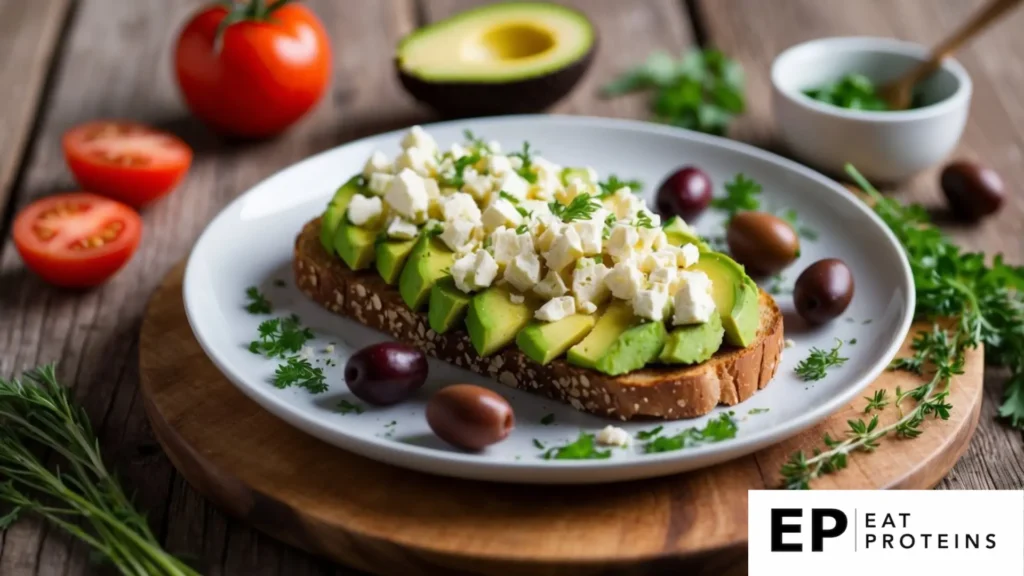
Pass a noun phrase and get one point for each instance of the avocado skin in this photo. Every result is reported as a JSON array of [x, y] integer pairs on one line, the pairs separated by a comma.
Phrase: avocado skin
[[447, 305], [694, 344], [740, 315], [633, 349], [466, 99], [612, 322], [334, 215]]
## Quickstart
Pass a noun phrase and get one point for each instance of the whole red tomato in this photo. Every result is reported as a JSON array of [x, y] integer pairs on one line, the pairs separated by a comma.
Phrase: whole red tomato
[[257, 75]]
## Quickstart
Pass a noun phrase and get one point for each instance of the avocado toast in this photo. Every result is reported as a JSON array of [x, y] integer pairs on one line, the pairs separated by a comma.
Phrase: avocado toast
[[666, 392]]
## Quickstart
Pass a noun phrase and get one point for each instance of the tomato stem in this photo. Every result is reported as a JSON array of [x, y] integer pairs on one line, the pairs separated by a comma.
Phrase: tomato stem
[[246, 11]]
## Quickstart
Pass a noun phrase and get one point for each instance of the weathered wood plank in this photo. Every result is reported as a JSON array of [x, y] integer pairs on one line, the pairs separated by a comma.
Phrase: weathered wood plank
[[754, 32], [94, 334], [627, 32], [29, 33]]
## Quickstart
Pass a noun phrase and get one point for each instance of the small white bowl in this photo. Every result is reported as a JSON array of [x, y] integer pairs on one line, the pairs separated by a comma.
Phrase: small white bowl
[[884, 146]]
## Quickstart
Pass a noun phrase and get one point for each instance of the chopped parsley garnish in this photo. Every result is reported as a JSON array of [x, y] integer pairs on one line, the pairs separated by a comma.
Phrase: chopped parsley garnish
[[852, 91], [716, 430], [613, 184], [648, 434], [474, 141], [754, 411], [258, 303], [522, 229], [609, 223], [457, 179], [852, 341], [643, 220], [297, 371], [538, 444], [509, 197], [582, 449], [433, 229], [741, 195], [866, 322], [814, 366], [346, 407], [280, 336], [582, 207], [526, 170], [550, 418]]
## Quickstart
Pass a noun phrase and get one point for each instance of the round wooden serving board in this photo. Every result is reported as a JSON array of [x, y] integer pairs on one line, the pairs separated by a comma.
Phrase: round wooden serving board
[[389, 520]]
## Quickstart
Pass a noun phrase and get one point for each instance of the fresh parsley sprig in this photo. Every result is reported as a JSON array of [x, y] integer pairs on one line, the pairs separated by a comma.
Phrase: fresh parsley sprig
[[526, 170], [298, 371], [280, 336], [457, 178], [819, 361], [258, 303], [582, 207], [581, 449], [703, 91], [643, 220], [717, 429], [742, 194], [613, 184]]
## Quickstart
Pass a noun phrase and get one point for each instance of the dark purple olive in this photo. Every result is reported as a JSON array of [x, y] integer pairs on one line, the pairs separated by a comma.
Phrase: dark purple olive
[[823, 290], [762, 242], [686, 193], [386, 373], [972, 190], [469, 416]]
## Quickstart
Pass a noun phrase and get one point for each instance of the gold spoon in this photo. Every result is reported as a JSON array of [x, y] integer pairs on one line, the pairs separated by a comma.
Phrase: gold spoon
[[898, 93]]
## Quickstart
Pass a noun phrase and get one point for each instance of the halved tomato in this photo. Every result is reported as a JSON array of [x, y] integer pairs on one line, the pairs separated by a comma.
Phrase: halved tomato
[[77, 240], [130, 162]]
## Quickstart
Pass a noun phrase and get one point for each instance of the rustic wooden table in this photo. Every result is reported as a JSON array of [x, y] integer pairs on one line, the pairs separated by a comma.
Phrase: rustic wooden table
[[66, 62]]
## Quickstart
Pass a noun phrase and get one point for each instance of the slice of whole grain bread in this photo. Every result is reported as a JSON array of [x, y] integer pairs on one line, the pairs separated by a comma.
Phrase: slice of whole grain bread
[[662, 392]]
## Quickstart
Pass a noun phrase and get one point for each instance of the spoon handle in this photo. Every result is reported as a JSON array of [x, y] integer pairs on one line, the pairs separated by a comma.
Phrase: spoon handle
[[995, 10]]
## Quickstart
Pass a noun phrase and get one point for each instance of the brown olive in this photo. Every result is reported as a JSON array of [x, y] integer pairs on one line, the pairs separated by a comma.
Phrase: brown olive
[[823, 290], [972, 190], [762, 242], [469, 416], [386, 373]]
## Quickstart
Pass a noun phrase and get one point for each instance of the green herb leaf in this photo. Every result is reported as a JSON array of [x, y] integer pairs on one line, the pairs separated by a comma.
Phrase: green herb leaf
[[258, 303], [298, 371], [754, 411], [526, 170], [613, 184], [582, 449], [852, 91], [716, 430], [346, 407], [643, 220], [548, 419], [878, 401], [582, 207], [814, 366], [742, 194], [648, 434], [538, 444]]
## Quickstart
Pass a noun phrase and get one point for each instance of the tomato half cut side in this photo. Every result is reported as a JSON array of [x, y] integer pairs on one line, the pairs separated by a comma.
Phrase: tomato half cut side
[[130, 162], [76, 240]]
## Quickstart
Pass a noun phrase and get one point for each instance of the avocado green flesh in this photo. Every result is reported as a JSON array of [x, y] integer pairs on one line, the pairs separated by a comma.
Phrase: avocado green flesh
[[734, 299], [693, 344], [355, 245], [633, 349], [493, 320], [335, 212], [545, 341], [427, 263], [447, 305], [497, 43], [391, 257], [615, 320], [679, 234]]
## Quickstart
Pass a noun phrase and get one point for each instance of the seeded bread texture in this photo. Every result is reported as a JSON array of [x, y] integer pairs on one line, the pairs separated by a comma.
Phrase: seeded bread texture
[[663, 392]]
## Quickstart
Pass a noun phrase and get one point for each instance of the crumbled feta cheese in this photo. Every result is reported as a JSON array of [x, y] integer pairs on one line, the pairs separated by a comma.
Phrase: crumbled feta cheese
[[660, 259], [549, 178], [693, 301], [486, 269], [591, 234], [418, 138], [788, 343], [574, 189], [477, 185], [458, 235], [621, 242], [507, 244], [564, 250], [501, 212], [556, 309], [515, 162], [549, 229], [417, 160], [538, 208], [457, 151], [650, 239], [462, 272], [494, 146], [516, 298], [651, 303], [474, 271], [460, 206], [378, 162], [624, 280], [379, 182], [402, 229], [663, 274], [512, 184], [625, 203], [364, 209], [523, 272], [329, 349], [613, 436], [407, 195], [588, 308], [588, 283], [552, 286], [686, 255], [498, 164]]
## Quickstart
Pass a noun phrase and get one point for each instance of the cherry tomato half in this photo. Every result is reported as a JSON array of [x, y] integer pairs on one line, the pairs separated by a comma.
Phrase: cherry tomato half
[[76, 240], [130, 162], [267, 68]]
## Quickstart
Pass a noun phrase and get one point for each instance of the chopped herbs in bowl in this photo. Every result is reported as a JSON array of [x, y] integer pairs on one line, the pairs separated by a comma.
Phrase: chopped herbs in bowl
[[853, 91]]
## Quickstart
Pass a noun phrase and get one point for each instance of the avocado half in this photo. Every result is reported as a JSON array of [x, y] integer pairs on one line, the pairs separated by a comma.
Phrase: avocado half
[[504, 58]]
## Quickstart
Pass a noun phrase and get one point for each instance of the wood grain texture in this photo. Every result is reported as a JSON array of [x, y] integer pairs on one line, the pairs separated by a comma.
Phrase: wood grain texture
[[29, 34], [392, 521], [754, 32]]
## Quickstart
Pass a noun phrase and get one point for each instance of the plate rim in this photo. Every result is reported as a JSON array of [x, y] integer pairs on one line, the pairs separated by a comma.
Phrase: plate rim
[[468, 465]]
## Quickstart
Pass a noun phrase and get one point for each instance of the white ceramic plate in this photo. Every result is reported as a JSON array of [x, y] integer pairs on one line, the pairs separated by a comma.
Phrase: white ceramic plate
[[250, 243]]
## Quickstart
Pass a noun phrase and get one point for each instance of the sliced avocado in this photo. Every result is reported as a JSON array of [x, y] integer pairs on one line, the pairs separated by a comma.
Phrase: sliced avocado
[[391, 257], [427, 263], [335, 212], [545, 341], [693, 344], [447, 305], [615, 320], [355, 244], [679, 234], [499, 59], [734, 298], [493, 320], [633, 349]]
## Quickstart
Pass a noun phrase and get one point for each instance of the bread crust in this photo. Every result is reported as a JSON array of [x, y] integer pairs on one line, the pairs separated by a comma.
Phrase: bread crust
[[666, 393]]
